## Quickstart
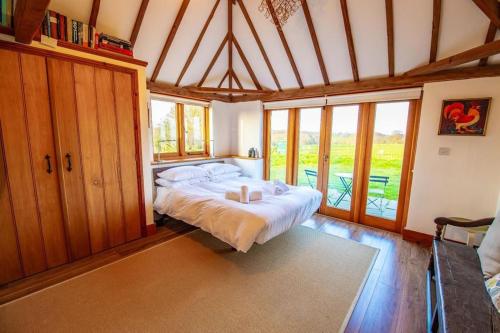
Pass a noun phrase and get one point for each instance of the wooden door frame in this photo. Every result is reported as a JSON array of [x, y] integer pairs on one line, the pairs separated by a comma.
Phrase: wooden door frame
[[405, 183]]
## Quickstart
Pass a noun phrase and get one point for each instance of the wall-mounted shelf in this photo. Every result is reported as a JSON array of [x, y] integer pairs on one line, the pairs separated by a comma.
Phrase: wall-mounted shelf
[[101, 53]]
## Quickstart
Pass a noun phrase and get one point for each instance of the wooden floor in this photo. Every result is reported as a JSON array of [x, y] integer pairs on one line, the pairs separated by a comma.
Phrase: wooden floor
[[393, 299]]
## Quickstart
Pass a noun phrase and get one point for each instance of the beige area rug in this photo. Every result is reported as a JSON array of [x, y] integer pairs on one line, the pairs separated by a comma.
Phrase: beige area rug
[[300, 281]]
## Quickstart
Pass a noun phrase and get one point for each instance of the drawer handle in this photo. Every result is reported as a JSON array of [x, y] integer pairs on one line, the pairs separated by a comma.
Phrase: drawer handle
[[49, 166], [68, 158]]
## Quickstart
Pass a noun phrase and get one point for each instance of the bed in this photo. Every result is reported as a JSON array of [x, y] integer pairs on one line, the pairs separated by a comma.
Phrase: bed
[[240, 225]]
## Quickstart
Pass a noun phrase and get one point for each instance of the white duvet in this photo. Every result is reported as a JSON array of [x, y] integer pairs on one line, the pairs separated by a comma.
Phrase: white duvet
[[240, 225]]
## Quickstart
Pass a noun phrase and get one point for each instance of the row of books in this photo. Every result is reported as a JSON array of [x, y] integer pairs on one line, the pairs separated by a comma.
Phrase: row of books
[[6, 11], [58, 26]]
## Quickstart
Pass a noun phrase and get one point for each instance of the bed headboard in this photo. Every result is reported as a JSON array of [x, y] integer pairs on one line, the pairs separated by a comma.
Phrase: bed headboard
[[157, 170]]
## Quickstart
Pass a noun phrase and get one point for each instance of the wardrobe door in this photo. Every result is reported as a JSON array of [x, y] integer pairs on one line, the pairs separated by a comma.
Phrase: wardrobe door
[[43, 157], [9, 254], [62, 96], [125, 111], [86, 106], [110, 155], [18, 164]]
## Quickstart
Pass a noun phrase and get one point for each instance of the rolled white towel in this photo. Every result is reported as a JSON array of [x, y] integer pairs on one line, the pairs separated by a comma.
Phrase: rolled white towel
[[280, 187], [244, 194], [255, 195], [231, 195]]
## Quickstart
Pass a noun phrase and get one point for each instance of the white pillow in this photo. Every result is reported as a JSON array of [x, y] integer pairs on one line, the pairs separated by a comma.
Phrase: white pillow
[[183, 173], [180, 183], [226, 176], [489, 251], [215, 169]]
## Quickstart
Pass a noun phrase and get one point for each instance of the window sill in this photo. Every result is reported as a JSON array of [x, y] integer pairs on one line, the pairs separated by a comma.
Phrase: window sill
[[186, 159]]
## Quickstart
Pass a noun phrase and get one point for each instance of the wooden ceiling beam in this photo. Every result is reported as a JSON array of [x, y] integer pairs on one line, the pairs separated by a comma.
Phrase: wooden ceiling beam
[[171, 90], [314, 38], [212, 62], [170, 39], [259, 43], [94, 12], [197, 44], [226, 90], [247, 64], [389, 16], [285, 43], [237, 80], [378, 84], [138, 21], [230, 37], [491, 9], [436, 23], [223, 79], [28, 16], [490, 36], [475, 53], [350, 40]]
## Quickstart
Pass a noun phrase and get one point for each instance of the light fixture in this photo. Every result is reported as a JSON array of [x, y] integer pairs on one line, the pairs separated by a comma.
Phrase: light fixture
[[282, 8]]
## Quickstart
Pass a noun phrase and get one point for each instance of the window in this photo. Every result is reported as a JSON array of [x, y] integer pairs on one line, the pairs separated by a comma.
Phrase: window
[[179, 130]]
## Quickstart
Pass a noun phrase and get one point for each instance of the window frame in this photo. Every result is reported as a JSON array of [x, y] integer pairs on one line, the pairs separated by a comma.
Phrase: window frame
[[181, 152]]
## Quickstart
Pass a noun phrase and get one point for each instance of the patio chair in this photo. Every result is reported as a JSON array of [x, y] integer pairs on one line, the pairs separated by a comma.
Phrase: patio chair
[[377, 199], [312, 177]]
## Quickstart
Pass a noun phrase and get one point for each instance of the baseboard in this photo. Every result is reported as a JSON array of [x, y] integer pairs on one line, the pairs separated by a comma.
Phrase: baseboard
[[417, 237], [150, 229]]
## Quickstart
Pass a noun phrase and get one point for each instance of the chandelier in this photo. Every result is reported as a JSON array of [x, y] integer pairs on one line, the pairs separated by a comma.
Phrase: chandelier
[[282, 8]]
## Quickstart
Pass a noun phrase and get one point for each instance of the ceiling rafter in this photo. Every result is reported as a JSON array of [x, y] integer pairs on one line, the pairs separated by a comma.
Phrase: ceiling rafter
[[94, 12], [28, 16], [314, 38], [171, 90], [138, 21], [247, 64], [285, 43], [490, 36], [350, 41], [170, 39], [389, 16], [475, 53], [237, 80], [197, 43], [436, 24], [377, 84], [230, 37], [259, 43], [223, 79], [214, 59], [226, 90], [491, 9]]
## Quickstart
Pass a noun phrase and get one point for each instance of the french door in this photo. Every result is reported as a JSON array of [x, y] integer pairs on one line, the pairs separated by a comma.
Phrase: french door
[[358, 156]]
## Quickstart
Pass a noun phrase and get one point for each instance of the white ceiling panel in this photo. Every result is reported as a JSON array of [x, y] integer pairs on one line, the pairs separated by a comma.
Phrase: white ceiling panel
[[370, 36], [117, 20], [412, 33], [78, 10]]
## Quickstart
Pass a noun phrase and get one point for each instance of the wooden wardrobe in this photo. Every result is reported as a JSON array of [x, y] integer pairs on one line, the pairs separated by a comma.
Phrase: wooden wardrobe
[[70, 172]]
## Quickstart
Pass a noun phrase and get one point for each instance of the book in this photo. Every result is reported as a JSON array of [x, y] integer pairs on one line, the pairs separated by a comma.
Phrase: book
[[74, 31], [85, 35], [53, 32], [115, 49]]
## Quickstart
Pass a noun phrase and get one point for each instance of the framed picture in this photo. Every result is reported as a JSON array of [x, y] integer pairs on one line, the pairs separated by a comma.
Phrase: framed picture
[[464, 116]]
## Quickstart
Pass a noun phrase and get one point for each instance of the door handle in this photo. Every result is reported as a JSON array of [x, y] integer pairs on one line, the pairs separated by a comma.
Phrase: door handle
[[69, 167], [49, 166]]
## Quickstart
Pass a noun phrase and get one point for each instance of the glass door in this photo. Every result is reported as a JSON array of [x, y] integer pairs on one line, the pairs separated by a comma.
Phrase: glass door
[[386, 164], [340, 160], [307, 146], [278, 145]]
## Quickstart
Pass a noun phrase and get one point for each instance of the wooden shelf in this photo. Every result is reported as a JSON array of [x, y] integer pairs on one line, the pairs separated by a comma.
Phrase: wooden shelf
[[102, 53]]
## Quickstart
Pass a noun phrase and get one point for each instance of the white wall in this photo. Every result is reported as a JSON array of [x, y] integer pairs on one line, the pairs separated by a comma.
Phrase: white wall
[[467, 182]]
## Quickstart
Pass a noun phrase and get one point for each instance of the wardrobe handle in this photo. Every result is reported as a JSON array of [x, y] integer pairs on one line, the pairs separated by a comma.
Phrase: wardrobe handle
[[49, 166], [68, 158]]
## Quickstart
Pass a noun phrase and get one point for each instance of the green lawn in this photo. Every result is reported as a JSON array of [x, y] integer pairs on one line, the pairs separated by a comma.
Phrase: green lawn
[[387, 159]]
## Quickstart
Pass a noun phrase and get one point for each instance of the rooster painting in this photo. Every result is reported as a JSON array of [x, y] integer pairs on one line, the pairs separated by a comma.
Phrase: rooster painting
[[464, 117]]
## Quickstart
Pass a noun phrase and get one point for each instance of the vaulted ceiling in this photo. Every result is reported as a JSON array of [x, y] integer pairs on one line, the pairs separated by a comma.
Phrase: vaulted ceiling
[[462, 26]]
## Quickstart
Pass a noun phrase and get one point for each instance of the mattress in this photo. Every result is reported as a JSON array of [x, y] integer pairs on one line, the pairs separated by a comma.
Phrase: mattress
[[240, 225]]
